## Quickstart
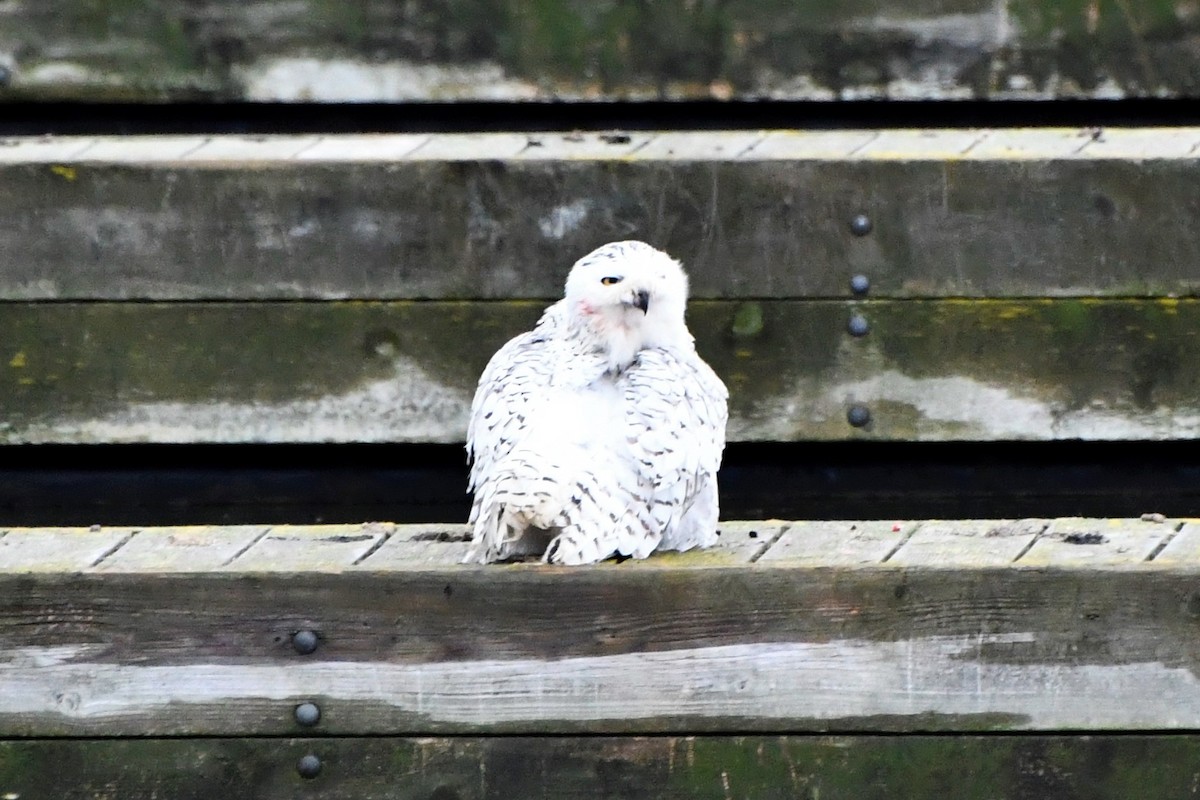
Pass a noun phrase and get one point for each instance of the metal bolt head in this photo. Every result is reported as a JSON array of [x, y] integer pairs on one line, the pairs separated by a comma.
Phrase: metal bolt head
[[308, 714], [305, 642], [858, 325], [860, 284], [309, 766], [860, 225], [858, 415]]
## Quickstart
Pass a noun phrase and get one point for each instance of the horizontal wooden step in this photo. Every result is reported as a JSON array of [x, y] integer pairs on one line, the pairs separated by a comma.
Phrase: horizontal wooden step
[[1019, 625], [377, 50], [751, 214], [968, 370], [589, 768]]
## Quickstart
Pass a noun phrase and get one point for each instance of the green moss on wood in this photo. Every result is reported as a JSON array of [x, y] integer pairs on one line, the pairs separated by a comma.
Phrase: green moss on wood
[[675, 48], [64, 364], [1103, 767], [482, 229]]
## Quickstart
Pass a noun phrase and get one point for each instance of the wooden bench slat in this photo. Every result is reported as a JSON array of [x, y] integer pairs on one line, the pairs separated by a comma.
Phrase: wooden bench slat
[[1072, 542], [190, 548], [376, 51], [952, 632], [308, 548], [405, 371], [503, 215], [364, 147], [1183, 548], [57, 550], [702, 145], [968, 544], [1090, 541], [840, 543]]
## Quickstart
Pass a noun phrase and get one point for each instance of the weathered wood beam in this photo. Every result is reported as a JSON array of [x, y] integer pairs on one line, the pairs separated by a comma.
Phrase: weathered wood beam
[[377, 50], [405, 371], [751, 214], [589, 768], [785, 627]]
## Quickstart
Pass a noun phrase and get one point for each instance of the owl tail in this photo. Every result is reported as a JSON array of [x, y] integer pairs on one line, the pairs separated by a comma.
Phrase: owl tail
[[532, 505], [518, 508]]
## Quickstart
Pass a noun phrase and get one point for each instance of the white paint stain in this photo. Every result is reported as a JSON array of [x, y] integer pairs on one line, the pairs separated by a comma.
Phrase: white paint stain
[[408, 406], [949, 407], [996, 412], [564, 219], [64, 72], [347, 80], [970, 31], [37, 657]]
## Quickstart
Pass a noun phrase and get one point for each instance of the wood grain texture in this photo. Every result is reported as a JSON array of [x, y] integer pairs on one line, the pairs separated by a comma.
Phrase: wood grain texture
[[841, 543], [567, 49], [501, 216], [405, 371], [58, 550], [186, 548], [968, 543], [587, 768], [936, 637], [1183, 548]]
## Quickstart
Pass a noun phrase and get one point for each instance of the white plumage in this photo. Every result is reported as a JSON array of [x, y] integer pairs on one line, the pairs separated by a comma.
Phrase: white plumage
[[600, 431]]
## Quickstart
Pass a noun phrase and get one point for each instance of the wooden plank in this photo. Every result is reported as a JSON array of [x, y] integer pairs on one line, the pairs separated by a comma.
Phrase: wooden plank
[[57, 550], [187, 548], [405, 371], [1182, 549], [1115, 542], [968, 543], [920, 145], [269, 50], [130, 149], [309, 548], [223, 150], [411, 547], [364, 147], [578, 768], [701, 146], [948, 634], [739, 543], [840, 543], [569, 146], [43, 149], [465, 216], [1144, 144]]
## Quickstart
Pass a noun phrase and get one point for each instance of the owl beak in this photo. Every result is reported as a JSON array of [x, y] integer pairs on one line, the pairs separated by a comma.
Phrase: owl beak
[[641, 299]]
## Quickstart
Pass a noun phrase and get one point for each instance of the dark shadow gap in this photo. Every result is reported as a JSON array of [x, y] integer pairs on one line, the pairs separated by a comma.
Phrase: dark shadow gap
[[243, 484], [59, 118]]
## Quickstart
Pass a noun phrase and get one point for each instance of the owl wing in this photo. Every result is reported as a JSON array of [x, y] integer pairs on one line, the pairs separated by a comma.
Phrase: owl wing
[[512, 383], [676, 410]]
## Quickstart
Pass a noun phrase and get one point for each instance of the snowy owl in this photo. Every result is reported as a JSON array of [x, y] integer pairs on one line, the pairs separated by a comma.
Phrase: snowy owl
[[599, 432]]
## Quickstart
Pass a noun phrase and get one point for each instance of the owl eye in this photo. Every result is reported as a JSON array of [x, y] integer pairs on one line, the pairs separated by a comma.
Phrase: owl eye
[[610, 281]]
